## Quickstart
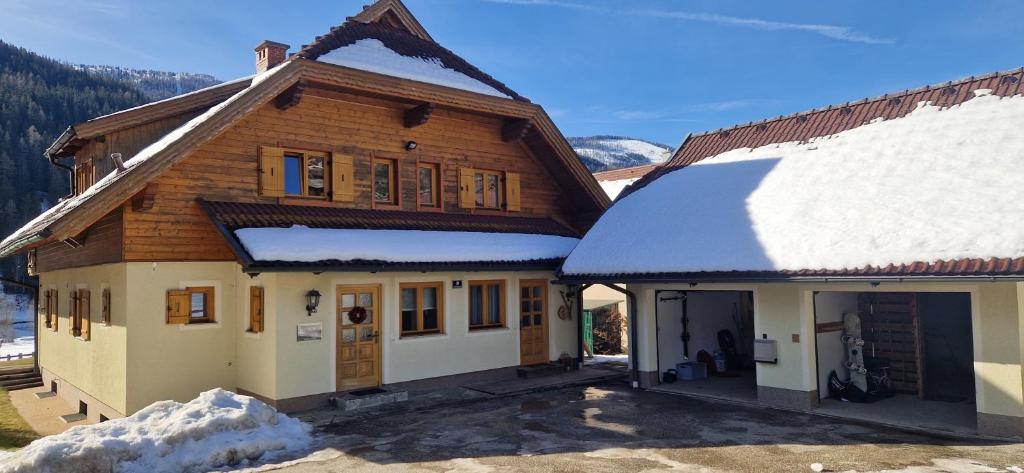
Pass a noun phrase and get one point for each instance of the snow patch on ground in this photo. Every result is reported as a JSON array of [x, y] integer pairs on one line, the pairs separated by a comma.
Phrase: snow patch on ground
[[303, 244], [216, 430], [620, 359], [372, 55], [937, 184]]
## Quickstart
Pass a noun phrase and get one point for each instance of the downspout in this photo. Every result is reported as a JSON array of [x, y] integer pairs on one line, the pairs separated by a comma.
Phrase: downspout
[[69, 169], [579, 324], [634, 356]]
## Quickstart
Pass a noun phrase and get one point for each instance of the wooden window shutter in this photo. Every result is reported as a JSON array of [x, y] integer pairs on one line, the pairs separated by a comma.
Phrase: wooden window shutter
[[256, 309], [512, 195], [271, 171], [72, 312], [56, 304], [47, 308], [342, 178], [179, 305], [467, 193], [84, 313], [106, 306]]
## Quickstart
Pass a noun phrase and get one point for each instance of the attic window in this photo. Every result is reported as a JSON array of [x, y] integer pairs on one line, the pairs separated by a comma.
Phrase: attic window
[[949, 91], [846, 110], [895, 101], [1008, 80], [723, 134], [762, 127], [803, 118]]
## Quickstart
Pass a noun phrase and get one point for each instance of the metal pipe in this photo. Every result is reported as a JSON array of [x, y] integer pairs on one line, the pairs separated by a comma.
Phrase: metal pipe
[[579, 323]]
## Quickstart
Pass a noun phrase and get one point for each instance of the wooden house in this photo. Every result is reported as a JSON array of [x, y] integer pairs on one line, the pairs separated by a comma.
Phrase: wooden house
[[369, 210]]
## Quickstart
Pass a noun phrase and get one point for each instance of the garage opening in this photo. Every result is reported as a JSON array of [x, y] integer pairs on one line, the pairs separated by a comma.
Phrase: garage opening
[[706, 343], [902, 358]]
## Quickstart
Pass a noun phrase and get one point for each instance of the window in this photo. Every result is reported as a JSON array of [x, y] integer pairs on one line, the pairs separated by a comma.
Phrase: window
[[385, 180], [487, 185], [255, 309], [105, 314], [193, 305], [486, 304], [428, 185], [304, 174], [422, 307], [80, 323]]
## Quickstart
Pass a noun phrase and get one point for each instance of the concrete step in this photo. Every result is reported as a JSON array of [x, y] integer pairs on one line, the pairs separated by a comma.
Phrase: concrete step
[[27, 374], [11, 371], [27, 385], [350, 402], [537, 371], [8, 383]]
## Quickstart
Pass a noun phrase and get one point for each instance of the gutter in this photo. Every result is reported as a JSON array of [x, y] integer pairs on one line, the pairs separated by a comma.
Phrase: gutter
[[18, 245], [51, 154], [669, 279], [383, 267]]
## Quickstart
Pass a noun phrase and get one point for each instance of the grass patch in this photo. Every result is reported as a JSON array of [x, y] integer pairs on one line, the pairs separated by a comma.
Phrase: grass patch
[[22, 363], [14, 431]]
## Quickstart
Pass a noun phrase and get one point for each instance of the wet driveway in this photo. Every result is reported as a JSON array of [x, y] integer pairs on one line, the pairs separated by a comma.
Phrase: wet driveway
[[613, 428]]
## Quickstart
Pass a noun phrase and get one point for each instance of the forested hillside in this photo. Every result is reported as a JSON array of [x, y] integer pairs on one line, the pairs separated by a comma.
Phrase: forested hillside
[[39, 98], [155, 85]]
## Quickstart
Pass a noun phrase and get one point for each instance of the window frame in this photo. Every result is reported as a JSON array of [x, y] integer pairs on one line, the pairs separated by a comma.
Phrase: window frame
[[500, 176], [393, 183], [304, 156], [419, 287], [502, 305], [436, 169], [210, 316]]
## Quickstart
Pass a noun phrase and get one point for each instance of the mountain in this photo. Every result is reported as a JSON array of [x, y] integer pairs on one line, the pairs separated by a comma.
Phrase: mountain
[[603, 153], [39, 98], [155, 85]]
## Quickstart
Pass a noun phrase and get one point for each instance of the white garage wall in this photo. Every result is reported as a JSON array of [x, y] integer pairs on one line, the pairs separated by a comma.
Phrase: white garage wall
[[830, 307], [709, 312]]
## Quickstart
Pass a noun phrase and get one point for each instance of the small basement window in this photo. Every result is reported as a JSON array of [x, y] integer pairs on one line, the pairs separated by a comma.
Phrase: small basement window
[[422, 307]]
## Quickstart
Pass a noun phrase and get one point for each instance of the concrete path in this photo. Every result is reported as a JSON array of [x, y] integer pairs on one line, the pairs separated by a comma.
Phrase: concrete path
[[43, 415], [611, 428]]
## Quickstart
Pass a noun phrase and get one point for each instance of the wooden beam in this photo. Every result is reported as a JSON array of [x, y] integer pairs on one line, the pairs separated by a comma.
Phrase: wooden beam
[[418, 115], [515, 129], [291, 96], [145, 199]]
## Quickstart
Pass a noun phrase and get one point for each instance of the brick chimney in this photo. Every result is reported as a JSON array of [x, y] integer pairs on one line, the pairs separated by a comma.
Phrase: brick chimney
[[270, 54]]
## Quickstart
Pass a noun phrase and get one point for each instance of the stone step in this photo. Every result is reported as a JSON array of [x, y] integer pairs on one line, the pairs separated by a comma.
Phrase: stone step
[[27, 374], [6, 383], [537, 371], [15, 387], [10, 371], [351, 402]]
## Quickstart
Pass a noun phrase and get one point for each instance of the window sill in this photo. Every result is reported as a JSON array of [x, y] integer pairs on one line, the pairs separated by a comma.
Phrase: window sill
[[384, 206], [251, 334], [199, 326], [424, 208], [412, 337], [488, 330]]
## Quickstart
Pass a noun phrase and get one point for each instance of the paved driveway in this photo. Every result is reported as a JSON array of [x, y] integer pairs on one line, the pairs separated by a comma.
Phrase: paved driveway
[[612, 428]]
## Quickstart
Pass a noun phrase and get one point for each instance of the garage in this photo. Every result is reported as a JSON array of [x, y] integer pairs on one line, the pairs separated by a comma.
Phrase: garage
[[706, 343], [897, 357]]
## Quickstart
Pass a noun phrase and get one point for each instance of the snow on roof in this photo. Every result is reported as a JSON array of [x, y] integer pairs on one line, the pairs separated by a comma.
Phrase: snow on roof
[[303, 244], [938, 184], [65, 206], [613, 188], [216, 430], [373, 56]]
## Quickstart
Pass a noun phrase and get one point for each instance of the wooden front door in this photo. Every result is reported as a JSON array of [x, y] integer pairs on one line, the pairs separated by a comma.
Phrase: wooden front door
[[533, 321], [358, 357]]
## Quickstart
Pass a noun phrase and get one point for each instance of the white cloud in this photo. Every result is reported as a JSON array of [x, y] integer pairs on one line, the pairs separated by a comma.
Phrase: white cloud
[[837, 32]]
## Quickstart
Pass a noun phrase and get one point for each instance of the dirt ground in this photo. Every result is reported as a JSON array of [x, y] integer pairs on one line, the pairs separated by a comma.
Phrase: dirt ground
[[610, 428]]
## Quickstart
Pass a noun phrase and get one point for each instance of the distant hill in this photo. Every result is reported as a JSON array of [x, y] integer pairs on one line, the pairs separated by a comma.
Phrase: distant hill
[[39, 98], [155, 85], [603, 153]]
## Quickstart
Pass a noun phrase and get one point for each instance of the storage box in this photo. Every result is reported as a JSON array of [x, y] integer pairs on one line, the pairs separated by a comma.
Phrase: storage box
[[691, 370], [766, 351]]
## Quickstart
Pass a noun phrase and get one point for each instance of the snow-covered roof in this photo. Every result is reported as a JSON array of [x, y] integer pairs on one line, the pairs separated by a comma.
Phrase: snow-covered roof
[[312, 245], [373, 56], [939, 184]]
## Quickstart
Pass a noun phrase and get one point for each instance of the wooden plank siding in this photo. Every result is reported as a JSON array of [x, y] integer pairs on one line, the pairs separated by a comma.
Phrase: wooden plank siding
[[128, 142], [225, 168], [103, 243]]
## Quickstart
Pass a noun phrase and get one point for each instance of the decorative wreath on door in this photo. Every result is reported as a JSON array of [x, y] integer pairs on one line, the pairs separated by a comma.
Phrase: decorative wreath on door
[[357, 315]]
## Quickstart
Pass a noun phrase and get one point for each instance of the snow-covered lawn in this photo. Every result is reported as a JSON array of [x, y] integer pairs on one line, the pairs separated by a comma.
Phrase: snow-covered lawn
[[24, 346], [216, 430]]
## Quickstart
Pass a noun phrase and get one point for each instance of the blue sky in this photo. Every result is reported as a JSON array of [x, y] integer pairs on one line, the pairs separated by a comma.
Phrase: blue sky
[[655, 69]]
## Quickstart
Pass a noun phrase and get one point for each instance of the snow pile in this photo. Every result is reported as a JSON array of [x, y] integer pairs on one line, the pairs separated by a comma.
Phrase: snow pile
[[304, 244], [937, 184], [217, 429], [372, 55]]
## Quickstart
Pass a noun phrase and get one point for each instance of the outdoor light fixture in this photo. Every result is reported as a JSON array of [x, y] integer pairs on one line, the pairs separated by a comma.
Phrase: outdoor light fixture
[[410, 146], [312, 301]]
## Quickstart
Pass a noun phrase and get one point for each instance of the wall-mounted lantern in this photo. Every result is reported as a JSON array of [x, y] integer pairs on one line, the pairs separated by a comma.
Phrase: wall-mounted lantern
[[411, 145], [312, 301]]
